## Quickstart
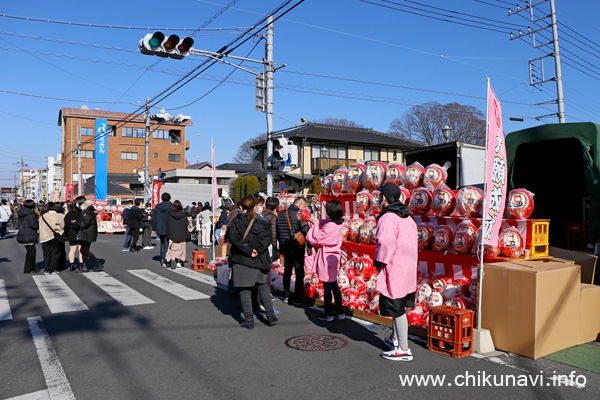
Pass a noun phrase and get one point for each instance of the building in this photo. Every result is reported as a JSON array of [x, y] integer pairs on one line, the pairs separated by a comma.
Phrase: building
[[125, 143], [324, 148], [200, 173]]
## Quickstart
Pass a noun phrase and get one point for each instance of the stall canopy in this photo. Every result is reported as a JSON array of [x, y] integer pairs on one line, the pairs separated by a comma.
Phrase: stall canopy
[[560, 164]]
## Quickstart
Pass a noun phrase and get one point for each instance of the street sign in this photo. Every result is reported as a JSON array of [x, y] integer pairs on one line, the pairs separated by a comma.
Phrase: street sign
[[281, 186]]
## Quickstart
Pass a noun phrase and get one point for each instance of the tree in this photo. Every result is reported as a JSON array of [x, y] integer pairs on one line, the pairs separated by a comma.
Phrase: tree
[[315, 186], [337, 122], [245, 151], [424, 123], [246, 185]]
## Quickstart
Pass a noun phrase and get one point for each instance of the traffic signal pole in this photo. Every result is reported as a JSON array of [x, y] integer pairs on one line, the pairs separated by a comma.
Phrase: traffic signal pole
[[269, 68], [147, 151]]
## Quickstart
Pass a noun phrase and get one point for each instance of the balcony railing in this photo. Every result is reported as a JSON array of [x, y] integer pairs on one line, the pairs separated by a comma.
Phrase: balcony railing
[[318, 165]]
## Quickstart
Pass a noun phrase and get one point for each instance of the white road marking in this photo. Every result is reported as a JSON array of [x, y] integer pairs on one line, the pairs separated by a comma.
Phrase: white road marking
[[5, 313], [118, 290], [54, 374], [168, 285], [41, 395], [198, 276], [59, 297]]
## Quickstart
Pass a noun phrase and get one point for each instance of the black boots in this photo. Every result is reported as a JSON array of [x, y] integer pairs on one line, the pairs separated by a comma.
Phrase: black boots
[[271, 319], [248, 323]]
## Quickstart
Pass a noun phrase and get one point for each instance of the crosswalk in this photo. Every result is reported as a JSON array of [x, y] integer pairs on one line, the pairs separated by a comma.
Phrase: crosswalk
[[60, 298]]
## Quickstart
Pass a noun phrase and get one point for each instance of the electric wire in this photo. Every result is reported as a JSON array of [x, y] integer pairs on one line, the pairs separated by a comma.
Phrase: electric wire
[[61, 99]]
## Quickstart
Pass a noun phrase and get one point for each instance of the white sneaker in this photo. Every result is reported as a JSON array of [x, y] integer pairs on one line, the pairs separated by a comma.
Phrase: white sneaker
[[179, 265], [397, 354], [148, 247], [391, 343]]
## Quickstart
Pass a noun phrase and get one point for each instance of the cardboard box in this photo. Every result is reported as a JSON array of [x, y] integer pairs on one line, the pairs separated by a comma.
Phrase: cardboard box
[[590, 317], [530, 310], [585, 260], [221, 251]]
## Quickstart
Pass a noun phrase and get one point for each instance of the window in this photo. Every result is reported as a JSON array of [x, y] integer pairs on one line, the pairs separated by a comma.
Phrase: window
[[87, 131], [155, 155], [133, 132], [334, 152], [125, 155], [87, 153], [175, 157], [342, 153], [371, 154], [111, 130], [160, 134], [175, 137]]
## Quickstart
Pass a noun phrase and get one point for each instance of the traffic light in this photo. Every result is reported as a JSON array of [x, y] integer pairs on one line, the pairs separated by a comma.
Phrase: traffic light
[[158, 44], [161, 117], [285, 154]]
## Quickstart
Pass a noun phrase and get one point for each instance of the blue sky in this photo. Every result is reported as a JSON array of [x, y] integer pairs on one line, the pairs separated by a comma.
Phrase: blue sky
[[365, 61]]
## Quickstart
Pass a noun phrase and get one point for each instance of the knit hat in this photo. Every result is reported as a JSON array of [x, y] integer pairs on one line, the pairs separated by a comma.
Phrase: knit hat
[[391, 192]]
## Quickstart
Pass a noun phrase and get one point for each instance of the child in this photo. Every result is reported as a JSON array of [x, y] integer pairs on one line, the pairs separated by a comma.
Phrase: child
[[326, 237]]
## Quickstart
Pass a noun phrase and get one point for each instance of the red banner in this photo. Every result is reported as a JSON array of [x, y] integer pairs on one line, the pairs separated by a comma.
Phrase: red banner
[[156, 185], [69, 192]]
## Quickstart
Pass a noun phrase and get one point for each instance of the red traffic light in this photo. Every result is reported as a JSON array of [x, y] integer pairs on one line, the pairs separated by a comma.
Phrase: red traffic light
[[186, 45]]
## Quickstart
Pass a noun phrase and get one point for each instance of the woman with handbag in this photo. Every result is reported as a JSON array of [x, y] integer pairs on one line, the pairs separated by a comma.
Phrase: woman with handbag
[[51, 237], [177, 231], [250, 236], [28, 226], [71, 229], [87, 234]]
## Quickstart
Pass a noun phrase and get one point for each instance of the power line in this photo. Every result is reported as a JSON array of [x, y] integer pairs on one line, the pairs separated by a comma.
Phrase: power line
[[60, 99], [28, 119]]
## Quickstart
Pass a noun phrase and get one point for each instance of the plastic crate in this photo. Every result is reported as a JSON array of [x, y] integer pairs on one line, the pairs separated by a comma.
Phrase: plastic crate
[[539, 239], [451, 331], [198, 260]]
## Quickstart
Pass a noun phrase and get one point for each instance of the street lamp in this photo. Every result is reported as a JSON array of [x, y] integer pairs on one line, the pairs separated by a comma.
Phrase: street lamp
[[447, 131]]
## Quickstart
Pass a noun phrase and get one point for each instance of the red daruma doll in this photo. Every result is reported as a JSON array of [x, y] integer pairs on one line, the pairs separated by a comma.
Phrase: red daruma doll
[[375, 200], [420, 202], [488, 251], [465, 235], [425, 235], [413, 176], [435, 175], [511, 242], [519, 204], [404, 195], [444, 201], [339, 184], [363, 201], [355, 176], [304, 215], [327, 184], [374, 175], [394, 173], [354, 229], [443, 236], [469, 202]]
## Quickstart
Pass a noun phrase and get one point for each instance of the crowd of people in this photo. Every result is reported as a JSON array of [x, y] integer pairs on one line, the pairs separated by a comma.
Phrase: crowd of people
[[255, 235]]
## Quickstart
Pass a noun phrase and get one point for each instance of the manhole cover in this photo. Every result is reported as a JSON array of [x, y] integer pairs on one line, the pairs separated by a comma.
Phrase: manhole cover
[[316, 342], [378, 328]]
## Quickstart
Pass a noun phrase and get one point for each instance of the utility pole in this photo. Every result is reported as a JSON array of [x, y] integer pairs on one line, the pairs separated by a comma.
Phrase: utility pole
[[560, 101], [80, 182], [21, 177], [147, 152], [269, 68]]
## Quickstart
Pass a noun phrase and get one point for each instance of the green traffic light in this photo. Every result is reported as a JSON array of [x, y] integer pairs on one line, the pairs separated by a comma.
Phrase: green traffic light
[[154, 42]]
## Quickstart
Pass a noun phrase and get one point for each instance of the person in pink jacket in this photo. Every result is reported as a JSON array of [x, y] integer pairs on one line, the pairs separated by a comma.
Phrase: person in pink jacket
[[396, 259], [326, 238]]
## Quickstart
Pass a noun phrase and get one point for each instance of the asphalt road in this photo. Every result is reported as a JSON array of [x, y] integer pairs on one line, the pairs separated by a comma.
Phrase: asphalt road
[[169, 347]]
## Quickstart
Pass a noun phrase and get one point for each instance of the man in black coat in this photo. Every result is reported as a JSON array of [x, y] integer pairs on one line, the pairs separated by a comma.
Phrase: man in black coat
[[135, 224], [159, 224], [293, 254]]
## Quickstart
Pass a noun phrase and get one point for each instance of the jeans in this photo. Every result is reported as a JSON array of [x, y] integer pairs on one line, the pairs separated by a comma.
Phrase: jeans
[[294, 261], [29, 258], [164, 247], [3, 228], [337, 295], [127, 238]]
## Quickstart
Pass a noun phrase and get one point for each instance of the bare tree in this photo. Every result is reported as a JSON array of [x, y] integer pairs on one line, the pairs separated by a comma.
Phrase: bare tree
[[337, 122], [245, 151], [424, 123]]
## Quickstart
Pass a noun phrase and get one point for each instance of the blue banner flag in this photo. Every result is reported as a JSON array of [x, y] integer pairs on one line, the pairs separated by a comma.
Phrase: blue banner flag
[[101, 159]]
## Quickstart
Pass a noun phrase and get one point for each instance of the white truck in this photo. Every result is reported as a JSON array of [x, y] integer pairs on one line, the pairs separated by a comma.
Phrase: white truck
[[187, 193]]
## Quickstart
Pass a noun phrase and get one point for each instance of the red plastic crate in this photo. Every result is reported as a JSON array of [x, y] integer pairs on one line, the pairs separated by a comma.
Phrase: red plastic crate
[[451, 331], [198, 260]]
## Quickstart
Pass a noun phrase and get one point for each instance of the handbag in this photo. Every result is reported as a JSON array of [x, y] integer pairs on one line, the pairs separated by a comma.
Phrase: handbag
[[60, 238], [298, 237], [81, 235]]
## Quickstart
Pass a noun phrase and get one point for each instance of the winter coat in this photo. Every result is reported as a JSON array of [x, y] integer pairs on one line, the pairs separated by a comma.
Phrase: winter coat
[[28, 225], [135, 218], [222, 220], [272, 218], [159, 217], [284, 235], [72, 224], [56, 222], [326, 237], [397, 250], [147, 217], [204, 217], [176, 229], [126, 215], [259, 238], [5, 213], [90, 225]]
